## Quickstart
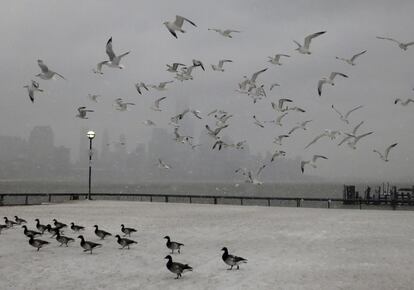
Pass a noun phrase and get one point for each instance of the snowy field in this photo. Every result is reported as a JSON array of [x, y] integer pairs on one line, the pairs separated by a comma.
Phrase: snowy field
[[287, 248]]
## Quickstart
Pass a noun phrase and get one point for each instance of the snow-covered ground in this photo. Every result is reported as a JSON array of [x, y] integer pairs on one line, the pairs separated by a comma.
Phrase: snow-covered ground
[[287, 248]]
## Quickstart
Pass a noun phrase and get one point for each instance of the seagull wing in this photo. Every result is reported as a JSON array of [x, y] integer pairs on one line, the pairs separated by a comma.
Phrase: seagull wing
[[320, 84], [315, 140], [137, 86], [387, 151], [42, 66], [358, 54], [124, 54], [379, 153], [260, 170], [388, 38], [310, 37], [345, 139], [293, 129], [362, 136], [109, 50], [282, 101], [316, 157], [221, 62], [228, 31], [179, 20], [334, 74], [409, 43], [357, 127], [339, 113], [350, 111], [157, 102], [255, 75], [279, 119]]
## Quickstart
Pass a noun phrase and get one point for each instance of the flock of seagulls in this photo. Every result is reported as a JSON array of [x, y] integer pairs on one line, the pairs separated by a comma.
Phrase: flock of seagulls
[[57, 232], [250, 85]]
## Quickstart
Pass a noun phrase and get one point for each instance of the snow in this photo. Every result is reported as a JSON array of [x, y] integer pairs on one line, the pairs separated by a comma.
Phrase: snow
[[286, 248]]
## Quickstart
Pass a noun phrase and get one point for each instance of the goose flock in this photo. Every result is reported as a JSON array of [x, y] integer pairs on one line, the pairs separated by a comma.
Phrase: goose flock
[[88, 246], [251, 86]]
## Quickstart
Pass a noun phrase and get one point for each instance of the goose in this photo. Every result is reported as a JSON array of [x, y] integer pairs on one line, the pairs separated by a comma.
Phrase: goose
[[161, 86], [76, 228], [124, 242], [59, 224], [328, 133], [41, 228], [215, 132], [311, 162], [32, 88], [173, 245], [37, 243], [162, 164], [9, 223], [344, 118], [82, 112], [402, 45], [63, 240], [351, 60], [101, 233], [403, 103], [173, 68], [54, 231], [19, 221], [387, 151], [30, 233], [329, 80], [46, 73], [300, 126], [140, 85], [127, 231], [278, 140], [232, 260], [177, 268], [226, 33], [177, 25], [156, 105], [276, 59], [304, 49], [219, 67], [114, 60], [87, 245]]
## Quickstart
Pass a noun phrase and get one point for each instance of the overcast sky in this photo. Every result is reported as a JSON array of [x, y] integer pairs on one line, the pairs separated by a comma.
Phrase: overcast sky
[[70, 37]]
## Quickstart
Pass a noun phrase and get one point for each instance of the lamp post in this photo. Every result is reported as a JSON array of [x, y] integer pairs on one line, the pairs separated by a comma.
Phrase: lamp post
[[91, 135]]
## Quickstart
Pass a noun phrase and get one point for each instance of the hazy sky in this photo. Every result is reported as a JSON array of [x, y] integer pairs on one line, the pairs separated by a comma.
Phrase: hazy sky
[[70, 37]]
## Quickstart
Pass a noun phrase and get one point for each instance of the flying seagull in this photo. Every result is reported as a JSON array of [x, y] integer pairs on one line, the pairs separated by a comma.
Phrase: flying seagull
[[163, 165], [173, 67], [177, 25], [329, 80], [32, 88], [352, 143], [403, 103], [82, 112], [279, 119], [276, 59], [46, 73], [311, 162], [199, 63], [351, 60], [304, 49], [328, 133], [387, 151], [278, 140], [219, 67], [276, 154], [349, 135], [226, 33], [215, 132], [279, 107], [93, 97], [140, 85], [344, 118], [148, 123], [156, 106], [274, 85], [161, 86], [402, 45], [121, 106], [300, 126], [114, 60]]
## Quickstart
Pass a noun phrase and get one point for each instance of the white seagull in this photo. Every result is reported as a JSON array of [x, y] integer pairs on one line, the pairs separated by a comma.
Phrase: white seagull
[[351, 60], [402, 45], [173, 68], [352, 144], [300, 126], [148, 123], [403, 103], [226, 33], [311, 162], [156, 105], [94, 97], [121, 106], [344, 118], [177, 25], [274, 85], [163, 165], [278, 140], [140, 85], [276, 59], [277, 153], [279, 107], [304, 49], [279, 119], [32, 88], [215, 132], [328, 133], [46, 73], [196, 114], [329, 80], [387, 151], [219, 67], [161, 86], [114, 60], [82, 112]]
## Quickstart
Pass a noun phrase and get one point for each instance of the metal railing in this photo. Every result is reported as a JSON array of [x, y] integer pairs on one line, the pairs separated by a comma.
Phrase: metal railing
[[39, 198]]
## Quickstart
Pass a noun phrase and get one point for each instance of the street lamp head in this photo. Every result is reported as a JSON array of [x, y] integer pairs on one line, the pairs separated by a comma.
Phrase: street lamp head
[[91, 134]]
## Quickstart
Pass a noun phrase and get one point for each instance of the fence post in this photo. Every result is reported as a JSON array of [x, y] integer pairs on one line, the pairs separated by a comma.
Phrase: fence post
[[215, 200], [190, 200], [166, 198], [329, 203], [49, 198], [26, 200], [151, 198], [241, 201], [268, 202], [1, 200], [298, 202]]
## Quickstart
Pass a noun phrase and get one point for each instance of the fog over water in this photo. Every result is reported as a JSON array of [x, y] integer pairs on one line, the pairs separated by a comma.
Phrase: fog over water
[[70, 37]]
